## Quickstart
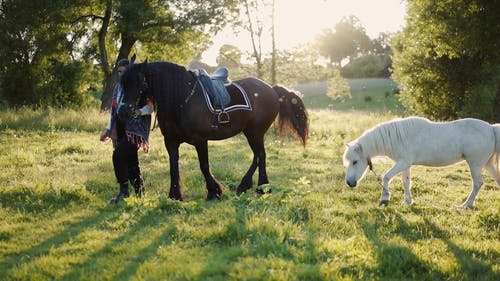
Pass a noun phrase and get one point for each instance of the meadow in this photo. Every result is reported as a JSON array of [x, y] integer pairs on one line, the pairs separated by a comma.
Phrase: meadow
[[56, 224]]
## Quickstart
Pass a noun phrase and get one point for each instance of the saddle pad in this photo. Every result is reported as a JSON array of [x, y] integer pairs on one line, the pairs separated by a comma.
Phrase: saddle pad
[[239, 99]]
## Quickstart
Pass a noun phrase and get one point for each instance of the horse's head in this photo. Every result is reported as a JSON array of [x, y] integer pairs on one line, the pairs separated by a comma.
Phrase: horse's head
[[356, 163], [134, 86]]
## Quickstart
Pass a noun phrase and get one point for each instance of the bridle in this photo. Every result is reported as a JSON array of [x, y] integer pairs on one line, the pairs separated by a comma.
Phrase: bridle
[[142, 89]]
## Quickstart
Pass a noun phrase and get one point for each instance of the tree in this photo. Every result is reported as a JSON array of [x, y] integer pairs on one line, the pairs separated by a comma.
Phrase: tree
[[447, 59], [255, 26], [173, 29], [345, 42], [37, 53], [367, 66], [229, 56]]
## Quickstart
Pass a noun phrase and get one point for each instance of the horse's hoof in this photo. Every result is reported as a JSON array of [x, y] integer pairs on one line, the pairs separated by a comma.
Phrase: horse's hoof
[[261, 191], [241, 190], [406, 203], [467, 206], [214, 196], [384, 202], [177, 198]]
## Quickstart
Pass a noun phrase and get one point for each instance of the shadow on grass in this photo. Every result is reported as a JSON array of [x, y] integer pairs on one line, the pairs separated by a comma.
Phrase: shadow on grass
[[30, 254], [128, 259], [400, 262], [264, 244], [471, 266]]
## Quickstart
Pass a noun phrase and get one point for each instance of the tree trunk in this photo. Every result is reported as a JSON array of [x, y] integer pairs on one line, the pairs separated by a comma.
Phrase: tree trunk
[[112, 78], [105, 103], [273, 52], [257, 53]]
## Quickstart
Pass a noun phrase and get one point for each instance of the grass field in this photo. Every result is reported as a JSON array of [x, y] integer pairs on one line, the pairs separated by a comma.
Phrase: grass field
[[56, 179], [368, 94]]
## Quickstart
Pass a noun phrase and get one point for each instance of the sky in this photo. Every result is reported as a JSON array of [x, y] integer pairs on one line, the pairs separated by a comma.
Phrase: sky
[[300, 21]]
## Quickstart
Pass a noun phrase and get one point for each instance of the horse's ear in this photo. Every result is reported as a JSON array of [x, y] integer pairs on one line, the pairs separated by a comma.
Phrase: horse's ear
[[358, 148], [132, 59]]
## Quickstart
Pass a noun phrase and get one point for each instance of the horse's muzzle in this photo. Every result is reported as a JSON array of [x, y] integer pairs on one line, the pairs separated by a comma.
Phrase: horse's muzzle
[[351, 183]]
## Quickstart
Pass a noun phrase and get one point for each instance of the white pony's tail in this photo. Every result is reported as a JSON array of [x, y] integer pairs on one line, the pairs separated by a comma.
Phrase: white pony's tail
[[495, 157], [496, 130]]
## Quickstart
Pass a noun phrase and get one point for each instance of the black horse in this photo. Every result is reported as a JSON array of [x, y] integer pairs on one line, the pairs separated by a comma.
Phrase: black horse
[[183, 116]]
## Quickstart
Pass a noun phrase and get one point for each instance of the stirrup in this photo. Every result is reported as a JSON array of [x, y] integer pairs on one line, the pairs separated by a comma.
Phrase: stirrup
[[223, 117]]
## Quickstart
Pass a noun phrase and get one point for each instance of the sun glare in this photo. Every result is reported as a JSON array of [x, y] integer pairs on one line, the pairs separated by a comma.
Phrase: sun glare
[[300, 21]]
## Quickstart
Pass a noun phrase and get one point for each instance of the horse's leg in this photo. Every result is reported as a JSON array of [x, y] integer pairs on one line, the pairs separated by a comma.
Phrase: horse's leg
[[491, 167], [406, 178], [396, 169], [259, 160], [477, 182], [213, 187], [175, 183]]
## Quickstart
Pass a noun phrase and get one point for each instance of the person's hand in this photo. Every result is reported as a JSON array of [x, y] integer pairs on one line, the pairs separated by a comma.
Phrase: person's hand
[[137, 113], [104, 135]]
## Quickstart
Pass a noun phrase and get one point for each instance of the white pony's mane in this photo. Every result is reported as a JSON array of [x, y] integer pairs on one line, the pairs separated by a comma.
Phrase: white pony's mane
[[390, 138]]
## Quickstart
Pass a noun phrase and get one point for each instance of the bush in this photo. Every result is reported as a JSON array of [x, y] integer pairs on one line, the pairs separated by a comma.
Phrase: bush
[[366, 66], [337, 87]]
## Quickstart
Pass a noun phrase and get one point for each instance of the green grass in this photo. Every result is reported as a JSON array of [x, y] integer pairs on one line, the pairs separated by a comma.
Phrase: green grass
[[56, 179]]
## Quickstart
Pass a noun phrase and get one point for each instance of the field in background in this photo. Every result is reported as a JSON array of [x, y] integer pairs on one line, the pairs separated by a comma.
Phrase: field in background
[[56, 223], [368, 94]]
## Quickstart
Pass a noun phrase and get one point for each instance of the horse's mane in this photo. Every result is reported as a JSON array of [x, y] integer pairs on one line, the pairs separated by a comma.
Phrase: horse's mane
[[390, 137], [166, 84]]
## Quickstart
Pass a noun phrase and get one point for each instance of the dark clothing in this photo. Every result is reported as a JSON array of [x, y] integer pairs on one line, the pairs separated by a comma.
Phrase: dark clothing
[[130, 136], [125, 159]]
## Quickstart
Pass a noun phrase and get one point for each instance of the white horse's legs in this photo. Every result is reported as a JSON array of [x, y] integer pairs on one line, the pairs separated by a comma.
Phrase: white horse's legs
[[406, 178], [477, 182], [396, 169]]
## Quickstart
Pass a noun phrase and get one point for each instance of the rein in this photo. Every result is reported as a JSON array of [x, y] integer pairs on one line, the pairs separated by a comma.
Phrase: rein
[[370, 165], [142, 90], [193, 90]]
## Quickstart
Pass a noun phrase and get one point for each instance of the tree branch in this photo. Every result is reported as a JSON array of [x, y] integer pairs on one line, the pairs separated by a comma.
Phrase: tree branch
[[91, 16]]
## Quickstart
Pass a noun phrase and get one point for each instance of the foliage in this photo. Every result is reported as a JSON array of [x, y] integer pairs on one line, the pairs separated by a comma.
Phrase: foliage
[[57, 224], [447, 58], [296, 66], [293, 67], [338, 87], [46, 47], [36, 54], [346, 41], [229, 56], [367, 66]]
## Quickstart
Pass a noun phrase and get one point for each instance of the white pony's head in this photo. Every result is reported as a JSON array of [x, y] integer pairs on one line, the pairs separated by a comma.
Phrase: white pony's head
[[356, 162]]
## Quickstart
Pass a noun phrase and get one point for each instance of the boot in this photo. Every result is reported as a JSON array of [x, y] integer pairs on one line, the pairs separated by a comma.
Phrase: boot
[[138, 184], [122, 194]]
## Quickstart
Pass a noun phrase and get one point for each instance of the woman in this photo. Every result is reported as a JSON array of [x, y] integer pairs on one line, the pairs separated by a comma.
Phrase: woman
[[128, 136]]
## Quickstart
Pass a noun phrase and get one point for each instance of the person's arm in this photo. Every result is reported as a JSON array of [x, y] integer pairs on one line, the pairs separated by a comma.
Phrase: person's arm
[[146, 109]]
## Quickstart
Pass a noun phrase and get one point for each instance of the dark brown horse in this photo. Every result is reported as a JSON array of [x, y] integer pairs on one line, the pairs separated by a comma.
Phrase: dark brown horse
[[183, 116]]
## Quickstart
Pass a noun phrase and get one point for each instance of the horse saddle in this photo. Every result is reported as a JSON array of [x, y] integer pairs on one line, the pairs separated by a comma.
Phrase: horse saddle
[[215, 86], [222, 95]]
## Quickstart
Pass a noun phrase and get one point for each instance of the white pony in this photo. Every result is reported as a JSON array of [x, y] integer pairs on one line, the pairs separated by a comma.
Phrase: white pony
[[418, 141]]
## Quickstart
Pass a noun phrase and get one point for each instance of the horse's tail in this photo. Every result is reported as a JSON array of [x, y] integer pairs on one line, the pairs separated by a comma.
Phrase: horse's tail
[[293, 114], [495, 157], [496, 131]]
